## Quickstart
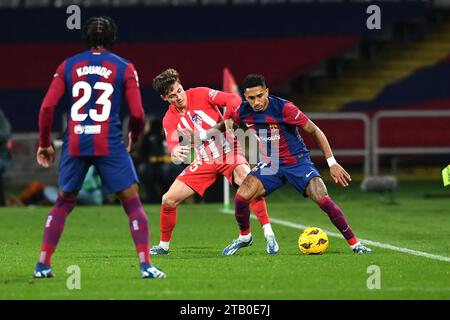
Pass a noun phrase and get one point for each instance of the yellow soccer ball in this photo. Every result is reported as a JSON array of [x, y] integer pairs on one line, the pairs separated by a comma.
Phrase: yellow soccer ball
[[313, 241]]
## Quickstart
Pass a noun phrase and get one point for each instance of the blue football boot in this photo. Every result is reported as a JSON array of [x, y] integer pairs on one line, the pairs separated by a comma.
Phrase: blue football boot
[[155, 250], [359, 248], [235, 245], [43, 271], [150, 272]]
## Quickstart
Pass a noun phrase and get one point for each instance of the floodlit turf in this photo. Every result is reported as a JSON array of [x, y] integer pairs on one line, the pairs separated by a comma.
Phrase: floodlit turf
[[98, 241]]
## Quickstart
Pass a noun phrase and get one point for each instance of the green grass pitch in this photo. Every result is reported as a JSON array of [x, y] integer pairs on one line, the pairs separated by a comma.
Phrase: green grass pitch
[[97, 239]]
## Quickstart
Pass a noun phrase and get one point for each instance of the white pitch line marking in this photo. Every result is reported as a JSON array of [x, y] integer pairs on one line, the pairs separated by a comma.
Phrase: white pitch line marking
[[368, 242]]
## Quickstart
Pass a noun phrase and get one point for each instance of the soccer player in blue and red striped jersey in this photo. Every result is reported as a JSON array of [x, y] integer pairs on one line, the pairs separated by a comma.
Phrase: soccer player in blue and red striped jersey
[[95, 82], [277, 123]]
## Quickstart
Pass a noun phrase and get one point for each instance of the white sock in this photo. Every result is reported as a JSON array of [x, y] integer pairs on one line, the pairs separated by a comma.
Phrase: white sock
[[267, 228], [356, 244], [164, 244], [245, 238]]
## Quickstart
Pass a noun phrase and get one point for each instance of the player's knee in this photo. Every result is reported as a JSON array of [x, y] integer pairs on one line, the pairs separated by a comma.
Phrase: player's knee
[[238, 180], [317, 190], [128, 193], [69, 195], [249, 188], [169, 200], [240, 174]]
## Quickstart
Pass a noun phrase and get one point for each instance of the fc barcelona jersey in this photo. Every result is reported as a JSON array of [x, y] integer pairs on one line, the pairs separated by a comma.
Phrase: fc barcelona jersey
[[95, 81]]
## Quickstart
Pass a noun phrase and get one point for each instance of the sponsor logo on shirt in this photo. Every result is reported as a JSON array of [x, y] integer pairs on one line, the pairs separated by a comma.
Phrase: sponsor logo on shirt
[[95, 129], [212, 93], [271, 138]]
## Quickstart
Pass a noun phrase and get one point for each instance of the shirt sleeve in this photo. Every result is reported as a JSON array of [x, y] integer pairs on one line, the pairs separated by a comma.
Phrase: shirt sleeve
[[233, 114], [134, 101], [223, 99], [171, 132], [51, 100], [293, 115]]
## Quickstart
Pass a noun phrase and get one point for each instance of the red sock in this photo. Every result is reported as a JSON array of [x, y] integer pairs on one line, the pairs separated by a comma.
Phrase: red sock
[[242, 214], [338, 218], [138, 227], [54, 227], [168, 221], [259, 208]]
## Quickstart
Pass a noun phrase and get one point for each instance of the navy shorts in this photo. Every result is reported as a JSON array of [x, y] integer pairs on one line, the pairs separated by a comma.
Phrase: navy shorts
[[297, 175], [116, 171]]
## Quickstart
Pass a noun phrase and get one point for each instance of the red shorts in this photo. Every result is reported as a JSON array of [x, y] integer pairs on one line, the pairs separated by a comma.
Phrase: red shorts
[[200, 175]]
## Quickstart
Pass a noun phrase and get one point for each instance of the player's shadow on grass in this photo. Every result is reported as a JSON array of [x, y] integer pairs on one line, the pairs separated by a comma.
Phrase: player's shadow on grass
[[28, 278], [75, 258], [332, 252]]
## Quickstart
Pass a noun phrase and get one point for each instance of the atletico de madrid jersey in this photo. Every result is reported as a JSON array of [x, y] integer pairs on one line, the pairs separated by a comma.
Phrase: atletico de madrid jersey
[[201, 115]]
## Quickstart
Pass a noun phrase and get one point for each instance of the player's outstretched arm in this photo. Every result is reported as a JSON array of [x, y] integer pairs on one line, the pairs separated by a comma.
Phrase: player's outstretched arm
[[223, 99], [339, 175], [202, 136]]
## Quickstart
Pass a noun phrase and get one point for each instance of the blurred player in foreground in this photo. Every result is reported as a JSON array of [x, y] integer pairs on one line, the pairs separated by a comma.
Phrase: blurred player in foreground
[[193, 114], [276, 122], [95, 81]]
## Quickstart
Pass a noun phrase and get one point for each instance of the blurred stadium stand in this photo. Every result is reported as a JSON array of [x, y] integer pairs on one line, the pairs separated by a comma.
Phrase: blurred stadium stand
[[294, 43], [88, 3], [318, 53]]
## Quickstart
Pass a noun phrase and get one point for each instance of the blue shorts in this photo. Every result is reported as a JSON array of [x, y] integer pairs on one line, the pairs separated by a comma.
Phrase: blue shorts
[[116, 171], [297, 175]]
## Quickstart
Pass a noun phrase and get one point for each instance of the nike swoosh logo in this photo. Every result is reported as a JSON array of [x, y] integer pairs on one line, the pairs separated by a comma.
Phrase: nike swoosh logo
[[249, 124], [309, 174]]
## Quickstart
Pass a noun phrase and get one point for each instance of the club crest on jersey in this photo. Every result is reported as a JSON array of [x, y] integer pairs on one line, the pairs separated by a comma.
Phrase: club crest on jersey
[[197, 119]]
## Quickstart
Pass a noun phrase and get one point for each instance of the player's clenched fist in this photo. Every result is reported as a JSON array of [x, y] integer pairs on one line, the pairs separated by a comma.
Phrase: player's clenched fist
[[45, 156], [180, 154], [339, 175]]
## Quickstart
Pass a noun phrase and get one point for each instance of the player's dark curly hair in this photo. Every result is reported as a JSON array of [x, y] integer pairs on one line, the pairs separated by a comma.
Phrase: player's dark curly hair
[[253, 80], [165, 80], [100, 32]]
